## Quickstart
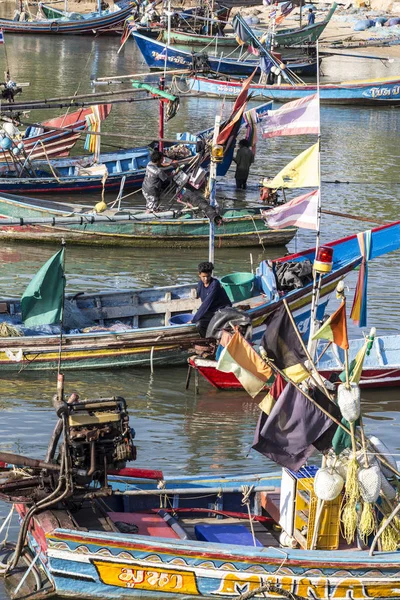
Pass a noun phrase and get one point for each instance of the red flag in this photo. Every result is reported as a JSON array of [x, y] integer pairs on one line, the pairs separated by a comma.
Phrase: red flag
[[242, 97]]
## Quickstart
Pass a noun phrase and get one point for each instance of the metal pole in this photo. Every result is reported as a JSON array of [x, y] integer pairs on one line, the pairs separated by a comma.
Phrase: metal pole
[[169, 23], [317, 276], [161, 85], [212, 189]]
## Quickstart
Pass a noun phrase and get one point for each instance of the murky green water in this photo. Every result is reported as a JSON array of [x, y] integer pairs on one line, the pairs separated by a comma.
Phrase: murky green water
[[177, 431]]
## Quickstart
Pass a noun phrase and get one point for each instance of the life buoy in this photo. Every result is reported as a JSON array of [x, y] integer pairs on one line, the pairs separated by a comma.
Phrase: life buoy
[[54, 26]]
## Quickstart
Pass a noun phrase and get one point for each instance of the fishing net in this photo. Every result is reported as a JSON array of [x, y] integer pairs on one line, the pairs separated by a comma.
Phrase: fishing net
[[73, 316], [7, 330]]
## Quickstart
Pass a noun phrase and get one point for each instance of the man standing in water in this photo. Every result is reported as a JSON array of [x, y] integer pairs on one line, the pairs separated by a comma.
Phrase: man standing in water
[[243, 159], [212, 295]]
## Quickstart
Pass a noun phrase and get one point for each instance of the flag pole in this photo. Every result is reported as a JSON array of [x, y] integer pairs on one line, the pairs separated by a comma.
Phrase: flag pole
[[317, 276], [60, 376], [212, 185]]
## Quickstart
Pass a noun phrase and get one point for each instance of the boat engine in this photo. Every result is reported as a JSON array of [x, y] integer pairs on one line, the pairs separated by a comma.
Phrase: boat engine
[[98, 438]]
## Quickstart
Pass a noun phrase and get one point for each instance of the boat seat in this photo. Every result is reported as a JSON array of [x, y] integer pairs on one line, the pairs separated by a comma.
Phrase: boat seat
[[225, 534], [151, 525]]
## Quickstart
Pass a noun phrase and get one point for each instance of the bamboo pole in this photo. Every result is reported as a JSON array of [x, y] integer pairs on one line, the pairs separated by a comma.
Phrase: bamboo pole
[[354, 217], [136, 75], [318, 379]]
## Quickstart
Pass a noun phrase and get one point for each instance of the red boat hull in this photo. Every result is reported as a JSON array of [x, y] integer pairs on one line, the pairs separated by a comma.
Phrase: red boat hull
[[379, 377]]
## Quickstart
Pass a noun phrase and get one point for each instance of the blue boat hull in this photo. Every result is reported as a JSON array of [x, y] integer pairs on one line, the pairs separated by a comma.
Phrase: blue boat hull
[[159, 56], [378, 91], [109, 564]]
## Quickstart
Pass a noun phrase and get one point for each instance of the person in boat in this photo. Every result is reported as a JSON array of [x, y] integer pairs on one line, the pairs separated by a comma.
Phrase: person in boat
[[154, 181], [244, 159], [311, 16], [212, 295]]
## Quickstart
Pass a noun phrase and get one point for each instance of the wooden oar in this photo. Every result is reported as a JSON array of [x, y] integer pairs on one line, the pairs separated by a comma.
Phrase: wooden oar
[[354, 217]]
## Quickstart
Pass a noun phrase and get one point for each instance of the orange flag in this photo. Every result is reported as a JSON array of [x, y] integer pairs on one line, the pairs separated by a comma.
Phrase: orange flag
[[335, 328]]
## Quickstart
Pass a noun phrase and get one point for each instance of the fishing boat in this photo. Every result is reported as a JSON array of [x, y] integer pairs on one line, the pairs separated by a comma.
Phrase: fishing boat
[[159, 56], [131, 328], [86, 173], [78, 174], [381, 367], [43, 141], [93, 527], [381, 92], [44, 221], [307, 34], [77, 24]]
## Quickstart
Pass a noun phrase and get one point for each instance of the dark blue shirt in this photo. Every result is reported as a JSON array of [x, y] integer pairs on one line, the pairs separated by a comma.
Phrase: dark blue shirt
[[212, 298], [311, 18]]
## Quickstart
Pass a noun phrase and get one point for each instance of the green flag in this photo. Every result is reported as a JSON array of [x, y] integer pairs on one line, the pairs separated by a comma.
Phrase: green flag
[[42, 301]]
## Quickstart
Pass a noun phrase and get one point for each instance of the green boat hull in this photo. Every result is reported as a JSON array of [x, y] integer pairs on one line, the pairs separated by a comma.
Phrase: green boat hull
[[239, 227]]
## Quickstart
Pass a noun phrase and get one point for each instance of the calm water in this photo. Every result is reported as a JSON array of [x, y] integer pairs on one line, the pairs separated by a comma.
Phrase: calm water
[[176, 431]]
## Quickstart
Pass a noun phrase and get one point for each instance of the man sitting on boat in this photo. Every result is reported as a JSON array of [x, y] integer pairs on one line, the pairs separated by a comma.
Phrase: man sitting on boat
[[153, 181], [212, 295]]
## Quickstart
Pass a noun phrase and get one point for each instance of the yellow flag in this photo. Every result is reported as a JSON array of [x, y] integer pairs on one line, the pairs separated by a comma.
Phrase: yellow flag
[[301, 172]]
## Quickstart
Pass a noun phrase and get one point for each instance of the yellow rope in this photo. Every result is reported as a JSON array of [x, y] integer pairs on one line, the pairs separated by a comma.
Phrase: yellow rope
[[349, 504], [366, 525], [7, 330], [389, 539], [349, 520], [352, 491]]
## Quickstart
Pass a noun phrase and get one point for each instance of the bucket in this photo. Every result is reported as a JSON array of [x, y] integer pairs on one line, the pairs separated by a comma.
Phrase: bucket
[[238, 286], [180, 319]]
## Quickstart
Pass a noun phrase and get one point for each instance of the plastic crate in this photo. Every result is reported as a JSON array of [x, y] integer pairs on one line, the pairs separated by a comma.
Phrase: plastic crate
[[305, 513]]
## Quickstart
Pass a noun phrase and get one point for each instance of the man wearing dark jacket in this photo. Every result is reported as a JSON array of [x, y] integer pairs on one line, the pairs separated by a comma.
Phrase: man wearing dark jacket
[[153, 181], [212, 295], [243, 159]]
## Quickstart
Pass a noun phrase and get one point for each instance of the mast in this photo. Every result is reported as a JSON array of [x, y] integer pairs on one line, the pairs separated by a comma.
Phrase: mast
[[161, 86]]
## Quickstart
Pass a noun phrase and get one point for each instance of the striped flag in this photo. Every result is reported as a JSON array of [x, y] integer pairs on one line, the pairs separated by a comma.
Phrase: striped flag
[[299, 212], [2, 40], [299, 117]]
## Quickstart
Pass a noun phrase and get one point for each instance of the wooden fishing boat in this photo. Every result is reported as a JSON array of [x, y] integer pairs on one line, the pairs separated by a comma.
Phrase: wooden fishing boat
[[131, 328], [91, 24], [43, 140], [159, 56], [380, 92], [96, 528], [49, 222], [381, 368], [78, 174], [308, 34]]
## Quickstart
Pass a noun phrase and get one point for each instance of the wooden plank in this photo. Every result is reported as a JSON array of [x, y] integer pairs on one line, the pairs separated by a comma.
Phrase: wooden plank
[[148, 308]]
